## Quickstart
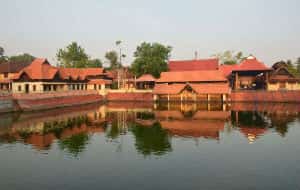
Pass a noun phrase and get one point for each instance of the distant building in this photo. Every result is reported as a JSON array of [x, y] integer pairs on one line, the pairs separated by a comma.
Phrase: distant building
[[281, 79]]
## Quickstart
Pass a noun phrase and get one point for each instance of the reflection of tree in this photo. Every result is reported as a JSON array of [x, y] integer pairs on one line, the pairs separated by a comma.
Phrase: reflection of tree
[[249, 119], [151, 140], [281, 122], [74, 144], [57, 127]]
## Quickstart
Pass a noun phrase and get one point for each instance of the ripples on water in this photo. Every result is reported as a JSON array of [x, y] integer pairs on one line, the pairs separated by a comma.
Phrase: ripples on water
[[118, 133]]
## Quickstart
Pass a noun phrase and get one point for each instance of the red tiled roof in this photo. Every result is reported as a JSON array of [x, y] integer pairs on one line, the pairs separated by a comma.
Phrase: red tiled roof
[[192, 65], [227, 69], [99, 81], [146, 78], [38, 69], [41, 69], [168, 89], [211, 88], [251, 64], [192, 76], [80, 73]]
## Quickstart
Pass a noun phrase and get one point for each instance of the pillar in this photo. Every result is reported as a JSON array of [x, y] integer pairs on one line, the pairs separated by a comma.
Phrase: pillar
[[236, 79], [180, 97], [208, 97], [168, 97]]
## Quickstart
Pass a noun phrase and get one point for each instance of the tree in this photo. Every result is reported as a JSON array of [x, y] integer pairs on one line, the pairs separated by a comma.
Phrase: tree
[[1, 51], [112, 57], [298, 65], [229, 57], [94, 63], [151, 58], [73, 56], [21, 58]]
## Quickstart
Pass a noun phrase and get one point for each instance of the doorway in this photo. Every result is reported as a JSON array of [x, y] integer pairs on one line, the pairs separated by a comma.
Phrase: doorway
[[26, 88]]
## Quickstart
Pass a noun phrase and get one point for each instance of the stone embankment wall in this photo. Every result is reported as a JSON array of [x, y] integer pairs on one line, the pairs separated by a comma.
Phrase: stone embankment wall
[[30, 102], [7, 104], [265, 96]]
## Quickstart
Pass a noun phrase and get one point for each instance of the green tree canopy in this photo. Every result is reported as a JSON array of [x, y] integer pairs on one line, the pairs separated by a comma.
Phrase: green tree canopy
[[151, 58], [230, 57], [21, 58], [112, 57], [72, 56], [95, 63]]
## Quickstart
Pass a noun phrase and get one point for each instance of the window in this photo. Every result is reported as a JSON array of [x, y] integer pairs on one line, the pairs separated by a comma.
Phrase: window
[[99, 86], [95, 87], [5, 75], [34, 88], [19, 88]]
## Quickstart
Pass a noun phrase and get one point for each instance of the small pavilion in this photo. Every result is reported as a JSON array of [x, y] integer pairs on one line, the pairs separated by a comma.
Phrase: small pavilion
[[145, 81]]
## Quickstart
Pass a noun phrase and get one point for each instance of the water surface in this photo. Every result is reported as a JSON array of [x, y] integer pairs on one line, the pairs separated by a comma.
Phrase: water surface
[[146, 146]]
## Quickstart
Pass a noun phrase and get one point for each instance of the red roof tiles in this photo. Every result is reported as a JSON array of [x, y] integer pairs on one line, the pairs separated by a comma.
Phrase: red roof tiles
[[192, 76], [146, 78], [168, 89], [40, 69], [251, 64], [192, 65]]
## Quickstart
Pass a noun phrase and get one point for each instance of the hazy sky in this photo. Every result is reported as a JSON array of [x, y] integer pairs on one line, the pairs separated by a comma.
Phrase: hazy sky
[[269, 29]]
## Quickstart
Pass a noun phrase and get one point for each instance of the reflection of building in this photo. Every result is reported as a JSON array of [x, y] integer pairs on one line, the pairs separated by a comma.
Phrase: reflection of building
[[252, 133], [206, 124]]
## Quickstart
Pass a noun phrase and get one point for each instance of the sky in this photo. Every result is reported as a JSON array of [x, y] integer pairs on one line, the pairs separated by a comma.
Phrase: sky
[[268, 29]]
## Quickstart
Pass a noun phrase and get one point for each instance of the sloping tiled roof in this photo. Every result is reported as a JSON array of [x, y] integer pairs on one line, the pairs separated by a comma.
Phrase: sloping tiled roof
[[192, 65], [168, 89], [251, 64], [41, 69], [227, 69], [13, 67], [38, 69], [192, 76], [211, 88], [146, 78], [276, 76], [80, 73]]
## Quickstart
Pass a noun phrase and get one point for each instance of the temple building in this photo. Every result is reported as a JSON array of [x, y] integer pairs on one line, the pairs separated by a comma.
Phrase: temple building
[[7, 71], [192, 86], [40, 77], [145, 81], [250, 74], [282, 79]]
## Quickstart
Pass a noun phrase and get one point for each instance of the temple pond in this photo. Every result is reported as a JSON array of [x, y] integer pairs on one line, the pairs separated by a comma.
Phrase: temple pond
[[152, 146]]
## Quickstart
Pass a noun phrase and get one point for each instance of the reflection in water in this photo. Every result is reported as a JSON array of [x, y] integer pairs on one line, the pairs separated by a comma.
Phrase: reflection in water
[[151, 126]]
